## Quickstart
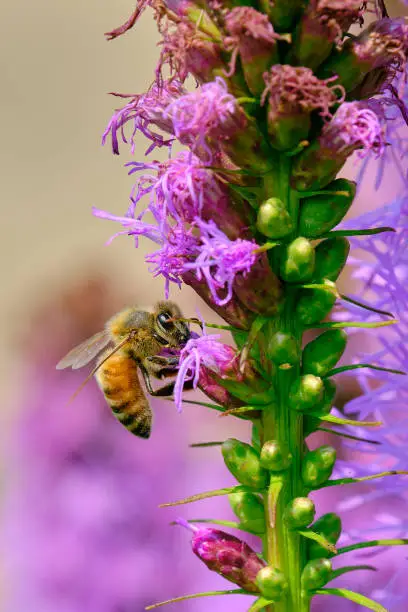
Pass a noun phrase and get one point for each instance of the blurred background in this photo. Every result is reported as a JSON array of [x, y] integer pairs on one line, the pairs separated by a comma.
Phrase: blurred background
[[80, 526]]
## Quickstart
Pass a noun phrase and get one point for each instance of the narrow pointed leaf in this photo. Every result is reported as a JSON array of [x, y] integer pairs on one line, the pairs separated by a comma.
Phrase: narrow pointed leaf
[[316, 537], [355, 597], [208, 494], [225, 327], [372, 544], [357, 366], [274, 491], [196, 596], [364, 232], [342, 481], [206, 444], [203, 404], [348, 436], [346, 298], [330, 418], [351, 568], [343, 324], [260, 604], [241, 410]]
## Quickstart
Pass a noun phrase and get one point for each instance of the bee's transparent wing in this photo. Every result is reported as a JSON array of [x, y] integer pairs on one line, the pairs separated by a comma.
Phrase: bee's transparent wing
[[85, 352]]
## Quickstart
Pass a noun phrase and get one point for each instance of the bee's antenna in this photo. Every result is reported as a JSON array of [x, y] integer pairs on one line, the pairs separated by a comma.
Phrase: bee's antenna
[[96, 368]]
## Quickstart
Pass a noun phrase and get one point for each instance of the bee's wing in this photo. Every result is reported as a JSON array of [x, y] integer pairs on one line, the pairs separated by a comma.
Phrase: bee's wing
[[85, 352]]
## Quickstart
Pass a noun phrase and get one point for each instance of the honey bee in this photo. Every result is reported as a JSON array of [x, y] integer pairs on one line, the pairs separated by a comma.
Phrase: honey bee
[[133, 339]]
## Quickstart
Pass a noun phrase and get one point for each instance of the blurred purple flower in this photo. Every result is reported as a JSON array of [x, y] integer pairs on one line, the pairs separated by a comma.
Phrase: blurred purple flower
[[75, 535]]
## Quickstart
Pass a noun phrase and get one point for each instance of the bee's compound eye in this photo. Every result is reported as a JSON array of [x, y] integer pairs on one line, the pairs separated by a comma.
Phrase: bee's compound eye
[[165, 320]]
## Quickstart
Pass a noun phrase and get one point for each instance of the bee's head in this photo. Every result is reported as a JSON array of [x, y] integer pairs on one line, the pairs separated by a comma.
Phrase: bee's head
[[170, 325]]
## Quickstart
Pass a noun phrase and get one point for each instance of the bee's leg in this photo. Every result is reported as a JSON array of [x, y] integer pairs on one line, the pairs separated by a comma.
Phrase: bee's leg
[[160, 367], [166, 390]]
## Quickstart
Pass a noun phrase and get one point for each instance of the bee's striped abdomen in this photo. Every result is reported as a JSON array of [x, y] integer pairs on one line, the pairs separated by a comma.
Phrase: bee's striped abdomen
[[118, 378]]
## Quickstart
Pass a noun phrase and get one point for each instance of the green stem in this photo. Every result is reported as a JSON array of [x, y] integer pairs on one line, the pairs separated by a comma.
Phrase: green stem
[[284, 548]]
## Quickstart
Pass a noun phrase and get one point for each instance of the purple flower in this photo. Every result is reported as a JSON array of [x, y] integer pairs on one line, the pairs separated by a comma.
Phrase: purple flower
[[187, 50], [252, 37], [144, 111], [206, 116], [291, 89], [354, 127], [180, 186], [203, 352], [293, 93], [227, 555], [212, 255], [221, 259]]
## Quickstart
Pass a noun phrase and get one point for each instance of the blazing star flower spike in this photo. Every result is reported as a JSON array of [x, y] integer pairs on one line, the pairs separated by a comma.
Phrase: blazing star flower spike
[[236, 217]]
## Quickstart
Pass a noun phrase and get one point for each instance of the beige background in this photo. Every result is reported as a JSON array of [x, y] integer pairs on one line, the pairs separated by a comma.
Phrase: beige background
[[56, 68]]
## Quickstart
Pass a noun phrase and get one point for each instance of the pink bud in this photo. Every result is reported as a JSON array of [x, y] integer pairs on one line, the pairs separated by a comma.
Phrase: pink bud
[[227, 555]]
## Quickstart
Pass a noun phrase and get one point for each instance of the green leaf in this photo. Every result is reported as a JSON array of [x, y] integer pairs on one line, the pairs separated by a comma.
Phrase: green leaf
[[342, 481], [351, 568], [206, 444], [196, 596], [330, 418], [348, 436], [196, 403], [208, 494], [342, 324], [224, 327], [317, 537], [365, 232], [241, 409], [372, 544], [346, 298], [356, 366], [274, 492], [352, 596], [260, 604]]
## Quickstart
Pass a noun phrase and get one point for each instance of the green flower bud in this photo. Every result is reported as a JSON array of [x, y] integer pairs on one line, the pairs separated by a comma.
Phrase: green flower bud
[[315, 574], [318, 465], [283, 349], [331, 257], [299, 513], [329, 526], [272, 583], [273, 219], [243, 462], [249, 509], [275, 457], [315, 304], [329, 393], [322, 354], [305, 393], [320, 213], [298, 261], [323, 408]]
